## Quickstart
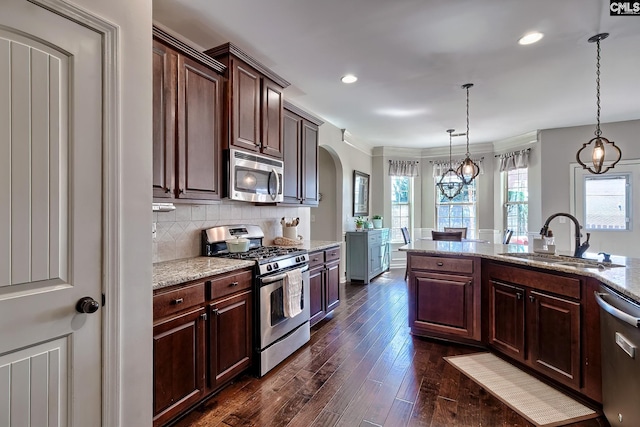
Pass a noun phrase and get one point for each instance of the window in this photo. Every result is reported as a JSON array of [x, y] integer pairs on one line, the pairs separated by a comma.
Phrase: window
[[607, 202], [458, 212], [516, 204], [400, 205]]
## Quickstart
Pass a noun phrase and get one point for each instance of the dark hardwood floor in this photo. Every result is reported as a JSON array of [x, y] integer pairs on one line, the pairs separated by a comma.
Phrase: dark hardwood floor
[[362, 368]]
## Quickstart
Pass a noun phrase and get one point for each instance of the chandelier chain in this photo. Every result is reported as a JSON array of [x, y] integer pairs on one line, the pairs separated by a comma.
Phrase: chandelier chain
[[467, 121], [598, 132]]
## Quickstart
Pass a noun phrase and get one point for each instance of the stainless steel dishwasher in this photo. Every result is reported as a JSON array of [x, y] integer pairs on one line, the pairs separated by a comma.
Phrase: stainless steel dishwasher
[[620, 337]]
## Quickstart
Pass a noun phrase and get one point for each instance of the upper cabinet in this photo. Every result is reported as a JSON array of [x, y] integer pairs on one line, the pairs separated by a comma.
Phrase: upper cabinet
[[187, 121], [254, 102], [300, 140]]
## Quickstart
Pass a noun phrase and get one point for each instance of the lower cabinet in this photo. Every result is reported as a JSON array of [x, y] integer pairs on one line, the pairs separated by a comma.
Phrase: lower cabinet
[[202, 339], [444, 297], [368, 254], [535, 318], [324, 282], [229, 338]]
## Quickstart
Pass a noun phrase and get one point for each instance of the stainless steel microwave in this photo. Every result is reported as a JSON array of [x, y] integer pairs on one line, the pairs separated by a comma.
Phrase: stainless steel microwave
[[254, 178]]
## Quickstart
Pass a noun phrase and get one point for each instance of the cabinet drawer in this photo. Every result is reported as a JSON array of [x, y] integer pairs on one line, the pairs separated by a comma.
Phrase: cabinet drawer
[[229, 284], [316, 258], [452, 265], [332, 254], [374, 237], [173, 301]]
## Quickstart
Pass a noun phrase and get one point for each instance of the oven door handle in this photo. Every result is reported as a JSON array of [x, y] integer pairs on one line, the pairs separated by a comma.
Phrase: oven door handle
[[625, 317], [272, 279]]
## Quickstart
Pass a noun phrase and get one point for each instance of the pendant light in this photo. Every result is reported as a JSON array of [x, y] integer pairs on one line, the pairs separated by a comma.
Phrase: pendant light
[[605, 154], [450, 184], [468, 169]]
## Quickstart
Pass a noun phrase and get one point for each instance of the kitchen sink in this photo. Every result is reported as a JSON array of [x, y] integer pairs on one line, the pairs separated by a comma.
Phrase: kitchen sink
[[564, 260]]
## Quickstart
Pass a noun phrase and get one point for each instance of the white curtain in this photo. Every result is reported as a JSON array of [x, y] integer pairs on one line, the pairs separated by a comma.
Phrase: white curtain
[[441, 166], [403, 167], [515, 160]]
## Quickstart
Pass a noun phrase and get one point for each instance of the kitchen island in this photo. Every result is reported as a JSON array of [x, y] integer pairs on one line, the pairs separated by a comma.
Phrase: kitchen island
[[539, 311]]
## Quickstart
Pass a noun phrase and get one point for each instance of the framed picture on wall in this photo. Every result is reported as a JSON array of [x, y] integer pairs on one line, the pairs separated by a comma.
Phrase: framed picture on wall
[[360, 193]]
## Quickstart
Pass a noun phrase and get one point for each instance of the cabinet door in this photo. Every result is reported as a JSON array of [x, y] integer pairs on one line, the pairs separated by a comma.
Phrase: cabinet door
[[292, 136], [554, 341], [332, 284], [375, 259], [178, 364], [444, 304], [309, 163], [245, 109], [506, 319], [316, 294], [199, 131], [272, 102], [230, 338], [165, 81]]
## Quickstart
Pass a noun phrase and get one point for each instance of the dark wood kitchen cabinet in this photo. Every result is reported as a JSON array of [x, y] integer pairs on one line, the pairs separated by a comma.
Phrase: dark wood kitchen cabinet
[[535, 318], [444, 297], [202, 339], [300, 156], [253, 103], [187, 121], [324, 282]]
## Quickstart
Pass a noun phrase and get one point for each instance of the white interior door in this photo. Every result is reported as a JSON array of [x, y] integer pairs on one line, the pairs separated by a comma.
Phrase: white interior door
[[50, 218]]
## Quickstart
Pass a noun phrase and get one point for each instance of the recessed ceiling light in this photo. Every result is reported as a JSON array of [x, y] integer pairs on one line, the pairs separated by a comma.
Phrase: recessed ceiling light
[[349, 78], [530, 38]]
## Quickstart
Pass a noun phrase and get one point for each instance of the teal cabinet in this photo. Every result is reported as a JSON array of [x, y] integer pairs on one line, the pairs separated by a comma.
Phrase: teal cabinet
[[367, 254]]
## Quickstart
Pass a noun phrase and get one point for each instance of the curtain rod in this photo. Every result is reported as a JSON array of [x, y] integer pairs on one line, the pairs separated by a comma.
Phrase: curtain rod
[[416, 161], [524, 150], [445, 161]]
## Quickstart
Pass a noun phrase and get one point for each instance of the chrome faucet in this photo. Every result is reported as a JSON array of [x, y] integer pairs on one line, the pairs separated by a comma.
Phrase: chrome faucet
[[581, 248]]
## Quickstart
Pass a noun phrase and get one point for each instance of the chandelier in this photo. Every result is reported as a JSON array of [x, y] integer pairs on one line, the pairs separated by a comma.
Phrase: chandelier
[[450, 184], [602, 158], [468, 169]]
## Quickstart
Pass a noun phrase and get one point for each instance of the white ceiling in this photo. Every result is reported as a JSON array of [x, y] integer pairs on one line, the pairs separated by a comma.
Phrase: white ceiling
[[412, 56]]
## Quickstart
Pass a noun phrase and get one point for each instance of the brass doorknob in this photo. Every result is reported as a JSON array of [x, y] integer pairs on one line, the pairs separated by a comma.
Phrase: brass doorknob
[[87, 305]]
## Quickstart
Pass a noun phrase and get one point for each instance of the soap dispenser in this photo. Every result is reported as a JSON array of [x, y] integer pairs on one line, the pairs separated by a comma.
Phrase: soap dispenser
[[548, 239]]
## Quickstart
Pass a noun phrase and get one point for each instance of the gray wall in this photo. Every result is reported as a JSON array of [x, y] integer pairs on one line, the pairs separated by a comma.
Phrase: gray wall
[[324, 221], [558, 149]]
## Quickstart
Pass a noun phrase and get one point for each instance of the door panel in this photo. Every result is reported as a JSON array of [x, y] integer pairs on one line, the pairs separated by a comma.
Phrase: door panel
[[506, 319], [50, 215]]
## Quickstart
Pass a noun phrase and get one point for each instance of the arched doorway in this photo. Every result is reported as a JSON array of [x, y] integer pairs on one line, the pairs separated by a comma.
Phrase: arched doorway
[[326, 219]]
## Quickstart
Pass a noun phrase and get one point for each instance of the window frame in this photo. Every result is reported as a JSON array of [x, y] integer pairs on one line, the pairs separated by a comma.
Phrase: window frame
[[628, 176], [507, 203], [472, 233], [409, 204]]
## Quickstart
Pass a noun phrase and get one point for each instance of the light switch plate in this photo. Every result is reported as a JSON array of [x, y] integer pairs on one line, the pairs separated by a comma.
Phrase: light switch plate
[[154, 230]]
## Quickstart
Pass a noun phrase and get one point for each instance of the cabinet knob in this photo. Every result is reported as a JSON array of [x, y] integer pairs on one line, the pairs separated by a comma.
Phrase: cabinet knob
[[233, 284], [532, 298], [178, 301], [215, 312], [440, 264], [519, 296], [167, 190], [181, 191], [203, 316], [258, 144]]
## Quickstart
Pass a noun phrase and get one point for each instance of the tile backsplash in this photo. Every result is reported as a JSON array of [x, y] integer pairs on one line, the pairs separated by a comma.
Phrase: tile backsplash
[[178, 232]]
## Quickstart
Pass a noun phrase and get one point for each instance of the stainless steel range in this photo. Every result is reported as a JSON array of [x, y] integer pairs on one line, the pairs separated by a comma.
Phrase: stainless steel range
[[276, 336]]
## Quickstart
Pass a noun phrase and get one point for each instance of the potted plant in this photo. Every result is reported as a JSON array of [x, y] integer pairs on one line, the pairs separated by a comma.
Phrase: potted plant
[[359, 222], [377, 221]]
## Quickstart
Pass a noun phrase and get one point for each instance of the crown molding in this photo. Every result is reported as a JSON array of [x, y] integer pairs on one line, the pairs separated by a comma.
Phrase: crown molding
[[174, 42], [458, 150], [302, 113], [231, 49], [516, 142]]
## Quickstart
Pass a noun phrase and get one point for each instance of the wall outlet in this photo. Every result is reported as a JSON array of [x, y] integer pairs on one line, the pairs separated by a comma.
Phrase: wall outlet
[[154, 230]]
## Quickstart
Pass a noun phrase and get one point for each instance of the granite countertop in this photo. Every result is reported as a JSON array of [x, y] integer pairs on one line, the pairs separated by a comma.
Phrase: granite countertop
[[178, 271], [317, 245], [625, 280]]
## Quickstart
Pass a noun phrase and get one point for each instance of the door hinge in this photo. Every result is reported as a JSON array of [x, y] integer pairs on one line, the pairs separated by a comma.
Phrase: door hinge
[[104, 299]]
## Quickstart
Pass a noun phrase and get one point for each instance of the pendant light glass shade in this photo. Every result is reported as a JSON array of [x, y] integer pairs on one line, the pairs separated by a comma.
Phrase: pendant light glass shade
[[605, 154], [450, 184], [468, 169]]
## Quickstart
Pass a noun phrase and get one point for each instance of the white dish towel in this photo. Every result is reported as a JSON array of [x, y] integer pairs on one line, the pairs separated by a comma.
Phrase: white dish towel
[[292, 293]]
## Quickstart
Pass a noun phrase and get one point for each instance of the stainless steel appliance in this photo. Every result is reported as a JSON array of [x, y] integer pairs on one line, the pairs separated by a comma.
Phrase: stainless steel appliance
[[254, 178], [275, 336], [620, 337]]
